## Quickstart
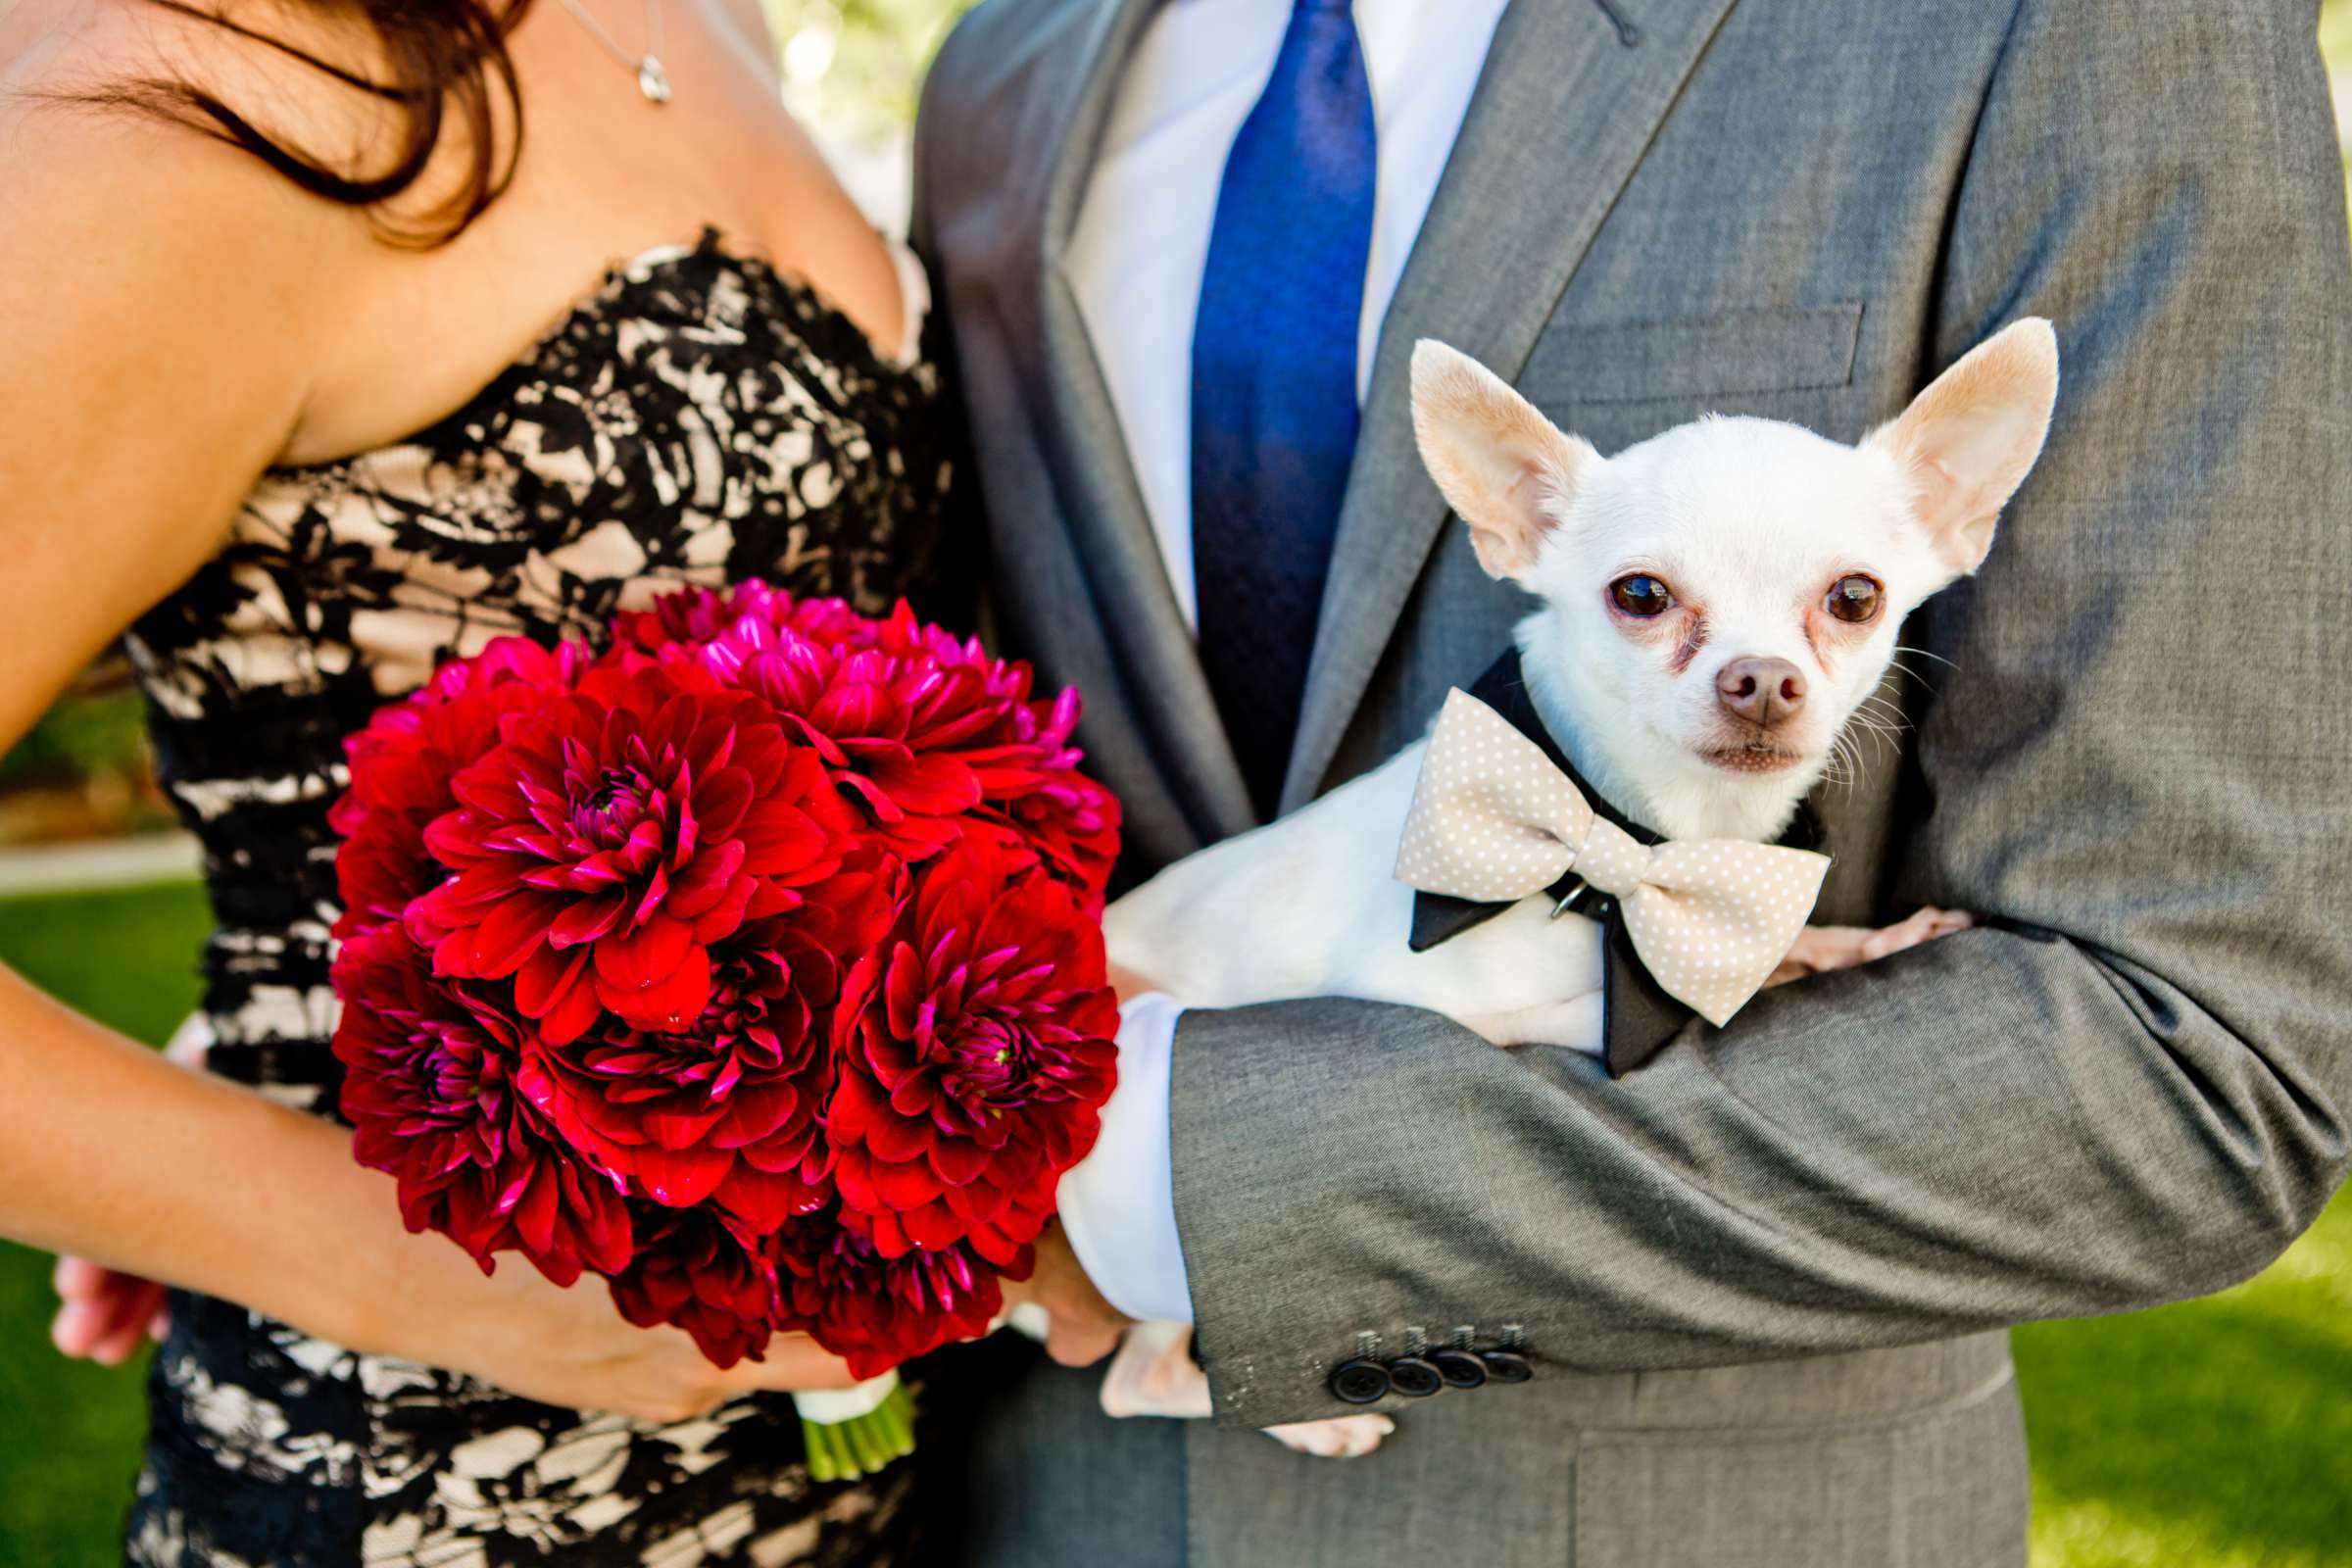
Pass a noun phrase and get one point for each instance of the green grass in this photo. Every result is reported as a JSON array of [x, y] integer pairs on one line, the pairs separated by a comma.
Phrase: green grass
[[2216, 1434], [127, 957], [70, 1432]]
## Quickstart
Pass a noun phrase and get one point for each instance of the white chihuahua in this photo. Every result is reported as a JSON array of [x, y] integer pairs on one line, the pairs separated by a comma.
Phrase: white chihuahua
[[1716, 603]]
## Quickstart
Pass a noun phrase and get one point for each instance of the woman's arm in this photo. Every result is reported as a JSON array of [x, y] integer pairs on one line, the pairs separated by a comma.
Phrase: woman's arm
[[163, 303]]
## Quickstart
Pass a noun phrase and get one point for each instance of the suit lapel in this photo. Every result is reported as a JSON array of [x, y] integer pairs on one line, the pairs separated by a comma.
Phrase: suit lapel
[[1563, 113], [1101, 502]]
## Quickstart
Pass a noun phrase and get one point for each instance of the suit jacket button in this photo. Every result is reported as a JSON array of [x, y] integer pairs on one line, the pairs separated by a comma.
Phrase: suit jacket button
[[1358, 1382], [1414, 1378], [1459, 1368], [1507, 1367]]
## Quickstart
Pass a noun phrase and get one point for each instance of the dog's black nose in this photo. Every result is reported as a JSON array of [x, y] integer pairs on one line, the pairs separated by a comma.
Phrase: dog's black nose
[[1765, 692]]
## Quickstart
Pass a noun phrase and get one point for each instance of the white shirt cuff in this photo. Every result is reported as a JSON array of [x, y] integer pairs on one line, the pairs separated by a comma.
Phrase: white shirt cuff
[[1119, 1205]]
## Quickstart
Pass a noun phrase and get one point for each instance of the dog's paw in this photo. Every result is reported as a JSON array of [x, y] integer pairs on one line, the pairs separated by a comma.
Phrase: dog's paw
[[1154, 1374], [1924, 926], [1342, 1437], [1821, 949]]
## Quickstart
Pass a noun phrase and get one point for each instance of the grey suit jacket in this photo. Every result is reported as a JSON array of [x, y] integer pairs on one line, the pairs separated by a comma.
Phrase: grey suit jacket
[[1764, 1276]]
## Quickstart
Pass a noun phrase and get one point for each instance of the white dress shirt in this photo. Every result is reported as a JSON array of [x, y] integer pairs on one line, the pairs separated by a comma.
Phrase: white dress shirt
[[1134, 261]]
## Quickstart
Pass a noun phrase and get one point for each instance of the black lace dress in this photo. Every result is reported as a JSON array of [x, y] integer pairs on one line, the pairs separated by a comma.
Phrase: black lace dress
[[699, 419]]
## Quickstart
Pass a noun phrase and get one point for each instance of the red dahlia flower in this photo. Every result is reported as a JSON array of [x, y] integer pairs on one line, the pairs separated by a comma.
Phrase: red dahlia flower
[[403, 764], [1069, 824], [876, 1311], [897, 733], [727, 1106], [706, 1272], [929, 732], [612, 837], [976, 1049], [438, 1086], [1026, 761], [693, 619]]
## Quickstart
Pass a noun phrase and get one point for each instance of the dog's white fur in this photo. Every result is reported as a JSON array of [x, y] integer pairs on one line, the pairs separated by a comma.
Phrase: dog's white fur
[[1749, 523]]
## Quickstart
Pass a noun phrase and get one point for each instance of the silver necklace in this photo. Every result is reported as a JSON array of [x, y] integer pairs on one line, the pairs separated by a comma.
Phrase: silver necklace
[[653, 80]]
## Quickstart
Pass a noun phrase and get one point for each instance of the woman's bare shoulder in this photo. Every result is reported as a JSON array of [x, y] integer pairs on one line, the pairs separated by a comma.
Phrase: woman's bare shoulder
[[161, 293], [153, 311], [99, 155], [754, 24]]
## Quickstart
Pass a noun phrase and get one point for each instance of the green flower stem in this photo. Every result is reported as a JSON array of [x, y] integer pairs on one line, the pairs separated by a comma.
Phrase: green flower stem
[[844, 1451]]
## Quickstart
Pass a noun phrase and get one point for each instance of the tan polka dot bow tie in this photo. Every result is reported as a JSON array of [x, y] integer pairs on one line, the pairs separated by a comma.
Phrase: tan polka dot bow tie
[[1495, 821]]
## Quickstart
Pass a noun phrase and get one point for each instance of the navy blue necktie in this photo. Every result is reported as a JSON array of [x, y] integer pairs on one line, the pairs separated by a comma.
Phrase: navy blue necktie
[[1274, 350]]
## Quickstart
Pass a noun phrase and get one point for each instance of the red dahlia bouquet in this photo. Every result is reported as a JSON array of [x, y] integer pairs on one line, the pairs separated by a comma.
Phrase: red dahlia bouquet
[[752, 963]]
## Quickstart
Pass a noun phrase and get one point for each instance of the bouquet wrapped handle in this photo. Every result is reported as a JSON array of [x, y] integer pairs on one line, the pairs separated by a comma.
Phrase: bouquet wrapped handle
[[855, 1431]]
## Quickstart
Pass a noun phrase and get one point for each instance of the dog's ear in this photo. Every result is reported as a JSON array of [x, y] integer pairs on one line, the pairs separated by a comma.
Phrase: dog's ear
[[1970, 439], [1504, 467]]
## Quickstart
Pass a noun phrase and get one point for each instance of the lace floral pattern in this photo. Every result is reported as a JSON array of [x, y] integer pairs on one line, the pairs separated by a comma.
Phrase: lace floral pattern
[[701, 419]]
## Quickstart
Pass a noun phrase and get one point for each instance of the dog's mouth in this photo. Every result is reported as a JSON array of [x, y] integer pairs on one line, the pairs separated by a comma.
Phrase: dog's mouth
[[1752, 756]]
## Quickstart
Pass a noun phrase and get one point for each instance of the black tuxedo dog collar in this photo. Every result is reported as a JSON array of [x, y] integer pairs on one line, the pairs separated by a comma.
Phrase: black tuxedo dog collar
[[1641, 1017]]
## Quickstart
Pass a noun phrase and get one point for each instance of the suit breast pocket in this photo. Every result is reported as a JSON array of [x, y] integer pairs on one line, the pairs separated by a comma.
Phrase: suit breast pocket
[[1731, 362]]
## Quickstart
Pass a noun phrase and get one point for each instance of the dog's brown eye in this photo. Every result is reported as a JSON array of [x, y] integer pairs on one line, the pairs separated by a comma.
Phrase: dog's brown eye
[[1640, 596], [1853, 599]]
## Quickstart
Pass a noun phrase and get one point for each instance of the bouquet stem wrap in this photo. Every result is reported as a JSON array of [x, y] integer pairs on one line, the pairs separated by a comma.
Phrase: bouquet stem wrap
[[855, 1432]]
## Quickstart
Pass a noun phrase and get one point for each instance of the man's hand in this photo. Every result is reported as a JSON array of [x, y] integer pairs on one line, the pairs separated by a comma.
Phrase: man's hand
[[1084, 1327]]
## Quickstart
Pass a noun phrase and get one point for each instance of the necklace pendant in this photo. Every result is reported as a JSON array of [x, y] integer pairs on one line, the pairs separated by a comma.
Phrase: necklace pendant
[[653, 80]]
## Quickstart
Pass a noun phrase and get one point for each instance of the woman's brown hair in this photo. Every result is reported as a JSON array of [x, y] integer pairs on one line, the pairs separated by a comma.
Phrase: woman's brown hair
[[445, 62]]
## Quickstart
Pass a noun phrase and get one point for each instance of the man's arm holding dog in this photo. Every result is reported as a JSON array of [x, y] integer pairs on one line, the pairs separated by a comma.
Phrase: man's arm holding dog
[[2131, 1086]]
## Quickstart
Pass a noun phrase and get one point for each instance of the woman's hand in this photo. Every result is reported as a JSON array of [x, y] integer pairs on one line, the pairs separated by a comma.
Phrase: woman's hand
[[570, 1347], [104, 1315], [514, 1329], [1084, 1327], [567, 1347]]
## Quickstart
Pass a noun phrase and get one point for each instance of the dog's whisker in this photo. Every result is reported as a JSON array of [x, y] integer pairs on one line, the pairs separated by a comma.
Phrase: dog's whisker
[[1897, 667], [1891, 728], [1844, 765]]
